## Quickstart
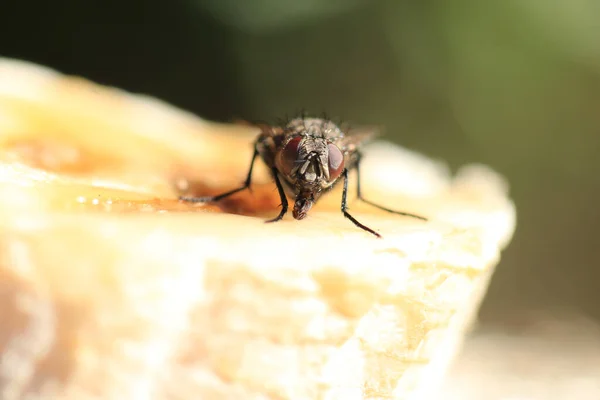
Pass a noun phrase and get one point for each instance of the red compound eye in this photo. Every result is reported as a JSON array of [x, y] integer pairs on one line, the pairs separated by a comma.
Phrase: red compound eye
[[336, 161], [288, 156]]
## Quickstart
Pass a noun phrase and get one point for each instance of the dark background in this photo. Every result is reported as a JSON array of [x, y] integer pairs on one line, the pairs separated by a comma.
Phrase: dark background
[[514, 84]]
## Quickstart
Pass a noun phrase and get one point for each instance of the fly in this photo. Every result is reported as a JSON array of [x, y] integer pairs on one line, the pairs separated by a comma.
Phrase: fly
[[309, 156]]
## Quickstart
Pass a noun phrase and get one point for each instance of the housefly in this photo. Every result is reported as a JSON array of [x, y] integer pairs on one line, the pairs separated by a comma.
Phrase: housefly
[[307, 157]]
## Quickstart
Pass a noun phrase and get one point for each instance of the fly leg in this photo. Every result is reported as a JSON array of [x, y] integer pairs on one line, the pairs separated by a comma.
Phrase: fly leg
[[221, 196], [345, 207], [284, 201], [359, 195]]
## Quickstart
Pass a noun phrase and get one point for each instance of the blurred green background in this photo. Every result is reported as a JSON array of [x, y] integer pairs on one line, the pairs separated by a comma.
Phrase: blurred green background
[[514, 84]]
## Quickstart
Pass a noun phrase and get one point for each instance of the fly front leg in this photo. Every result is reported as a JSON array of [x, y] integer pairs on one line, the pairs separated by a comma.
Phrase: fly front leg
[[283, 198], [345, 207]]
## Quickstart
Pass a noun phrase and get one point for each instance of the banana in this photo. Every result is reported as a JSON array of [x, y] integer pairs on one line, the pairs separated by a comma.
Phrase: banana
[[112, 288]]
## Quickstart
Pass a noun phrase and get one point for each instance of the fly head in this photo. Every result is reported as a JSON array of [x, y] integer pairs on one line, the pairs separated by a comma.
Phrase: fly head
[[310, 160]]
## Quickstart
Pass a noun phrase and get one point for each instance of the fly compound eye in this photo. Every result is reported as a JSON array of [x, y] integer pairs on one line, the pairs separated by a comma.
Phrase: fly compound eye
[[286, 159], [335, 161]]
